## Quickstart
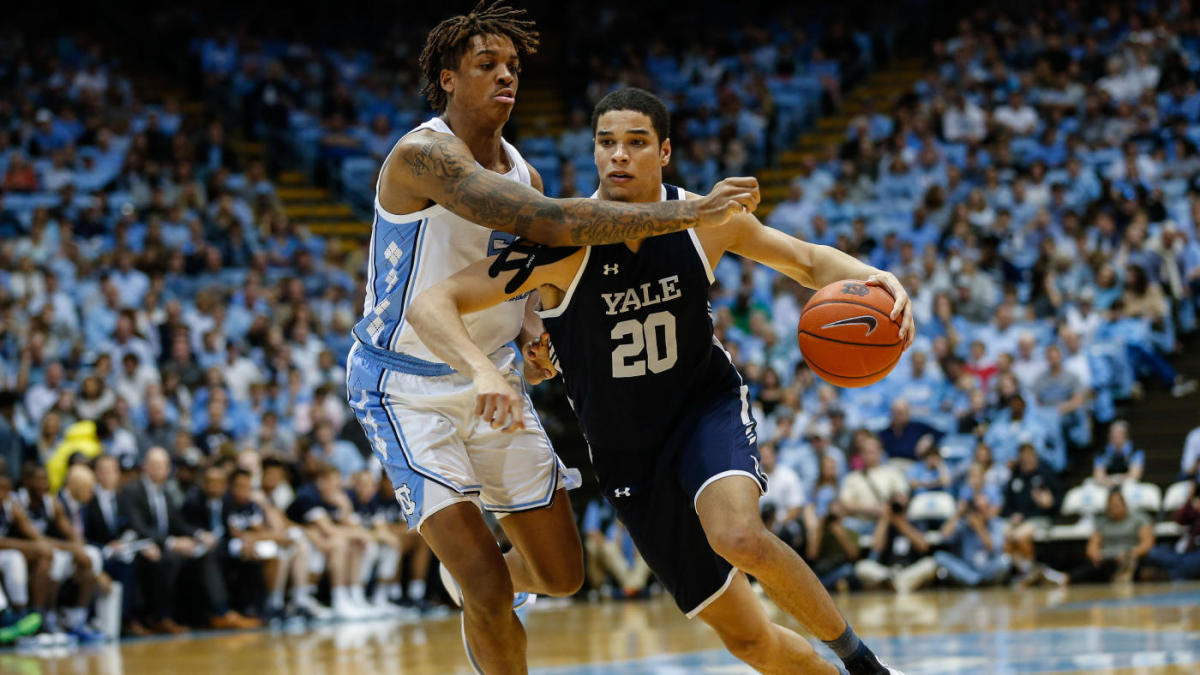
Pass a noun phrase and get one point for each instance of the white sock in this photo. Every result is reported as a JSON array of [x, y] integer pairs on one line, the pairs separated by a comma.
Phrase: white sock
[[358, 595], [275, 600], [3, 601], [416, 589], [393, 590], [341, 596], [301, 592], [73, 617]]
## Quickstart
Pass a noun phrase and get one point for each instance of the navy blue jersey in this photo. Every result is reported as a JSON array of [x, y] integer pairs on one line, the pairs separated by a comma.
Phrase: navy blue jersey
[[242, 517], [308, 506], [368, 511], [633, 338]]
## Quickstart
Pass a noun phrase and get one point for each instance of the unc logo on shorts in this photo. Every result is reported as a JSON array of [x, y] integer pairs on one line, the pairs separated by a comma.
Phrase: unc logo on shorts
[[404, 498], [856, 289]]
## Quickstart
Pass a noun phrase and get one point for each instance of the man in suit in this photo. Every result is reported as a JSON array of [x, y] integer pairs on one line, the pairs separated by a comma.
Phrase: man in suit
[[153, 516], [105, 527]]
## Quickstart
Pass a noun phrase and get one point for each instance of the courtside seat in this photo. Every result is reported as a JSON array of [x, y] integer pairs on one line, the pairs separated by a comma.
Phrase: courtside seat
[[1084, 502]]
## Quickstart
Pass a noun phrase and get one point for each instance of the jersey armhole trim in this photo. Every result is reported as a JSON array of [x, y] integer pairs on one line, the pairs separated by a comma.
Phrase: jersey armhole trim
[[397, 219], [703, 256], [566, 299]]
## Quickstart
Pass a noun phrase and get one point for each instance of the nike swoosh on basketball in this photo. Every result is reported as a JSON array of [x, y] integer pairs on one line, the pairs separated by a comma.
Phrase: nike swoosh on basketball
[[865, 320]]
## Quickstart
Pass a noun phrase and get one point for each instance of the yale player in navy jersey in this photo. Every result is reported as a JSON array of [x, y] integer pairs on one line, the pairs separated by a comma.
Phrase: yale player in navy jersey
[[661, 405], [451, 192]]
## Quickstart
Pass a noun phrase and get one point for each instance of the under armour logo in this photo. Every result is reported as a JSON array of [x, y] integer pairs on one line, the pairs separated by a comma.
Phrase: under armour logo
[[622, 492], [404, 497], [611, 269]]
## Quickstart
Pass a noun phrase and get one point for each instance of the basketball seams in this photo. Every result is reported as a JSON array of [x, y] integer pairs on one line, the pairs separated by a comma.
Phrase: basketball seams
[[829, 374], [847, 342]]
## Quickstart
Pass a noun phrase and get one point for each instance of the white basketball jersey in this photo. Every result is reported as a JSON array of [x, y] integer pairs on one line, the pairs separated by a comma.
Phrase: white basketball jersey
[[411, 252]]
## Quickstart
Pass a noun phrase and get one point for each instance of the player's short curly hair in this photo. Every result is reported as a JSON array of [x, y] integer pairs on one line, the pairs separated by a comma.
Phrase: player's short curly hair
[[449, 40], [637, 100]]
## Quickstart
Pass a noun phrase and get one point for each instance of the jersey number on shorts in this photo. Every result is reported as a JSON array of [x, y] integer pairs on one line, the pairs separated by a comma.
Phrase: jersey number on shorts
[[627, 357]]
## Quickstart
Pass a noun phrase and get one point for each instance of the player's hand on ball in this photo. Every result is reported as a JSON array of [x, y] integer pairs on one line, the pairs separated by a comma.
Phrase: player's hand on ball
[[727, 199], [497, 403], [902, 312], [538, 366]]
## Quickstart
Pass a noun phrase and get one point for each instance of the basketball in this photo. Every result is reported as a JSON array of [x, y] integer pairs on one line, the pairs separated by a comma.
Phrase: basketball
[[847, 335]]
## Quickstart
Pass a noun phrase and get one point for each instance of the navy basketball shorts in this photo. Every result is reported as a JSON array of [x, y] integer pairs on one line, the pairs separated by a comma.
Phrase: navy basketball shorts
[[655, 493]]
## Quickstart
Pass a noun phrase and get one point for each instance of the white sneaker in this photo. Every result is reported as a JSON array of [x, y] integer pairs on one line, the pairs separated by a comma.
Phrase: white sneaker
[[384, 608], [315, 609], [350, 611], [520, 600]]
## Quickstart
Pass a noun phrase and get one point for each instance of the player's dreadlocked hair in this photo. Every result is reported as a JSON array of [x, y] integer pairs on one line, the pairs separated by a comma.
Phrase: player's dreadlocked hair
[[446, 44]]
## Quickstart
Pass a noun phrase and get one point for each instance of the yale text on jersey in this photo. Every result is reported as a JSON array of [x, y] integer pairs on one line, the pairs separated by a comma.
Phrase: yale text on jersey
[[645, 295]]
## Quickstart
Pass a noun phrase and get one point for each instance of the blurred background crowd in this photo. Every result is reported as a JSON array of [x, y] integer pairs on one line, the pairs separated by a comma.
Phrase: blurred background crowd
[[172, 343]]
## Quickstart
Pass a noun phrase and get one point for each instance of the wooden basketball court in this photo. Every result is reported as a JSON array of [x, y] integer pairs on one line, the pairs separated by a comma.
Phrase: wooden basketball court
[[1130, 629]]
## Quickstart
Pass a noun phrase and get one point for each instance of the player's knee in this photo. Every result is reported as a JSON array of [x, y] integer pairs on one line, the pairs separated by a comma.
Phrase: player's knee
[[564, 580], [486, 592], [751, 647], [744, 546]]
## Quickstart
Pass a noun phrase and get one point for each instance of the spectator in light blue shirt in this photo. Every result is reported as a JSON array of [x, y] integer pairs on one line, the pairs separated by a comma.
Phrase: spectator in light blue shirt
[[976, 540], [343, 455]]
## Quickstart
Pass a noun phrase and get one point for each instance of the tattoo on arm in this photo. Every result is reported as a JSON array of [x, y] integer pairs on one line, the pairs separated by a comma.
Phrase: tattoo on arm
[[451, 177]]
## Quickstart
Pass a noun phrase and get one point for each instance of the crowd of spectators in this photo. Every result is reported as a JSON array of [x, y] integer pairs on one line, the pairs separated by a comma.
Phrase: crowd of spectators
[[170, 343], [1037, 193], [170, 396], [737, 96]]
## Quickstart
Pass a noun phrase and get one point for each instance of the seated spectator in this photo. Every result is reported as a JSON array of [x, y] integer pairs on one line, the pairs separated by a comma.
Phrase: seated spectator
[[1014, 426], [1189, 466], [785, 493], [869, 493], [1027, 365], [833, 549], [1030, 501], [1119, 543], [611, 553], [1120, 461], [1182, 561], [995, 476], [904, 436], [976, 544], [1016, 115], [929, 472], [1061, 390]]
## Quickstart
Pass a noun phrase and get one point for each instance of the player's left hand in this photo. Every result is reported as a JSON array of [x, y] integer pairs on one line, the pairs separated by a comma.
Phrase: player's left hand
[[902, 310], [538, 367]]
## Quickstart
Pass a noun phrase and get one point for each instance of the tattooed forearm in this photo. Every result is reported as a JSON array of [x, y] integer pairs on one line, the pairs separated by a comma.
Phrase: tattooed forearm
[[447, 173]]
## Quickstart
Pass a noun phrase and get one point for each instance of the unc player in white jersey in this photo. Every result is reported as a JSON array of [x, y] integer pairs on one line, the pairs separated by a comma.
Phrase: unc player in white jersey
[[451, 193]]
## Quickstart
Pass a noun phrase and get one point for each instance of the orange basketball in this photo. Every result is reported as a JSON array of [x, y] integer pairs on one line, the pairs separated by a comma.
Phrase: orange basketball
[[847, 334]]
